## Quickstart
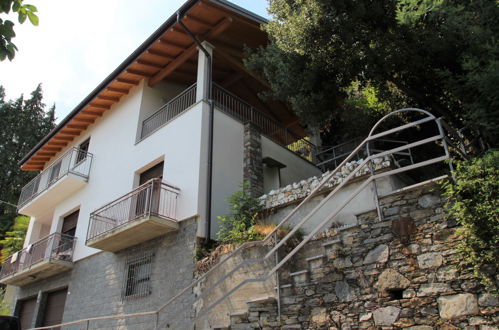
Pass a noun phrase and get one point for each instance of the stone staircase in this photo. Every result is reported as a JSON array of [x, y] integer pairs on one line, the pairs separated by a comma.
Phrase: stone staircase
[[366, 276]]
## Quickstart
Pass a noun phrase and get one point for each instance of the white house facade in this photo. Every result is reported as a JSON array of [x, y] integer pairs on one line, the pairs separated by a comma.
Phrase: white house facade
[[135, 177]]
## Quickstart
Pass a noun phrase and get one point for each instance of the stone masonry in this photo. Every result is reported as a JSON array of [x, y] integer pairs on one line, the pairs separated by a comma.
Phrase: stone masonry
[[252, 164], [369, 277]]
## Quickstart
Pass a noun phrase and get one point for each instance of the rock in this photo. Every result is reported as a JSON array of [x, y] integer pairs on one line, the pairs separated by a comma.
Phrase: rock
[[458, 305], [342, 262], [432, 289], [319, 315], [344, 292], [430, 260], [378, 255], [409, 293], [448, 273], [391, 279], [427, 201], [420, 327], [365, 317], [386, 315], [488, 300]]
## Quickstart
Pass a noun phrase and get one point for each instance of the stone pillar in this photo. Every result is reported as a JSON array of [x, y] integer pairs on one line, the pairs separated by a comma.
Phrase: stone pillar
[[203, 69], [252, 163]]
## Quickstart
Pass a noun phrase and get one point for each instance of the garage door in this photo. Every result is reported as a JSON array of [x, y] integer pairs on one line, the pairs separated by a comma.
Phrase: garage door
[[26, 312], [54, 308]]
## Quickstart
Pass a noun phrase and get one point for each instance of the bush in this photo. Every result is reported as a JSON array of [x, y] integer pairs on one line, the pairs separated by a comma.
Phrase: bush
[[473, 202], [239, 226]]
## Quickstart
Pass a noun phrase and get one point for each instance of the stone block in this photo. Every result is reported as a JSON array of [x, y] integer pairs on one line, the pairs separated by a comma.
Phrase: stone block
[[458, 305], [432, 289], [430, 260], [391, 279], [386, 315], [344, 292], [427, 201], [377, 255]]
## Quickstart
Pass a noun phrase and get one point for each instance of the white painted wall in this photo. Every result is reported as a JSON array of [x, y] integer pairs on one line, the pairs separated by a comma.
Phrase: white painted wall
[[227, 164], [296, 168], [117, 158]]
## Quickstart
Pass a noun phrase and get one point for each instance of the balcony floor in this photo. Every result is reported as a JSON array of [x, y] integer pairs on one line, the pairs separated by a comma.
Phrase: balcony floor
[[133, 233], [38, 271]]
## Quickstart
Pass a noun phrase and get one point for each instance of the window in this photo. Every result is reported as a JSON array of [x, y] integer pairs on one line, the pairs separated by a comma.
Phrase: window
[[138, 272], [82, 152], [69, 223]]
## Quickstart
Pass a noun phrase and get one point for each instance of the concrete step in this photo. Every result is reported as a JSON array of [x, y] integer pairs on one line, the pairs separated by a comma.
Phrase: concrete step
[[261, 300], [315, 261], [300, 277]]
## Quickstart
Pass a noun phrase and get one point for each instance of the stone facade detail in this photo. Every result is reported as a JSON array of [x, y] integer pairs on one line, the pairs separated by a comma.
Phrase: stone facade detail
[[369, 279], [252, 163]]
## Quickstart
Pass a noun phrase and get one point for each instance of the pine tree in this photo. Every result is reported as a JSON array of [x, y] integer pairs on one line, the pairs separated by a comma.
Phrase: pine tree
[[23, 123]]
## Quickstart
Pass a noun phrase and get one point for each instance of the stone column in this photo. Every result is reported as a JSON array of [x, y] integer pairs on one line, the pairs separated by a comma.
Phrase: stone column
[[252, 163], [203, 69]]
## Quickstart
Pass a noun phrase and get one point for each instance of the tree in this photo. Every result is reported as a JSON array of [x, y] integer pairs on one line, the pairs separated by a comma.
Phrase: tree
[[14, 239], [7, 48], [437, 55], [23, 124]]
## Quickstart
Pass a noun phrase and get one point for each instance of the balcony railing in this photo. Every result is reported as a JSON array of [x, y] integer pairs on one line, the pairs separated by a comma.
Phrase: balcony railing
[[168, 111], [74, 161], [152, 199], [243, 111], [56, 246]]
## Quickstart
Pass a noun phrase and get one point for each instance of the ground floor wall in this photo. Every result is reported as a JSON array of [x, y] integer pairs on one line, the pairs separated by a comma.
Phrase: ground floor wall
[[138, 279]]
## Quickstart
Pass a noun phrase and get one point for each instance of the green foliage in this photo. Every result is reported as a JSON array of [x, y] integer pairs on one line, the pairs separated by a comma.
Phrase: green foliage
[[23, 124], [7, 47], [433, 54], [4, 306], [14, 239], [239, 226], [472, 201]]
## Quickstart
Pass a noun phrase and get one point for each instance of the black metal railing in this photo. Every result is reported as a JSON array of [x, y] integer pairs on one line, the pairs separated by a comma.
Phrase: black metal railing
[[153, 198], [168, 111], [243, 111], [56, 246], [74, 161]]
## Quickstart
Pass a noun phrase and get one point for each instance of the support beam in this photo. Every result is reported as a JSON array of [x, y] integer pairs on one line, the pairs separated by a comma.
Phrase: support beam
[[197, 20], [99, 106], [149, 64], [179, 60], [92, 113], [138, 72], [127, 81], [118, 90], [161, 53], [239, 66], [84, 120], [231, 80], [108, 98], [59, 144]]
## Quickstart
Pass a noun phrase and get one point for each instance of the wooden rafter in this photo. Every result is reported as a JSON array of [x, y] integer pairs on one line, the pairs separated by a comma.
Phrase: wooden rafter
[[127, 81], [197, 20], [117, 90], [149, 64], [179, 60], [239, 66], [108, 98]]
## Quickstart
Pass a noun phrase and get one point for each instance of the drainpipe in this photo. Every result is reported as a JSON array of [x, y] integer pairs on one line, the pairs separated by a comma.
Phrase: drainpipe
[[210, 130]]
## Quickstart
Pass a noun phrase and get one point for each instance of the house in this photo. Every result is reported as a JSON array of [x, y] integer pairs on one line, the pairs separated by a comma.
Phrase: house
[[135, 176]]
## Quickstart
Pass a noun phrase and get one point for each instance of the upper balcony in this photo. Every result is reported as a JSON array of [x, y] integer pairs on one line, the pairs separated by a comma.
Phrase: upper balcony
[[47, 257], [147, 212], [65, 176]]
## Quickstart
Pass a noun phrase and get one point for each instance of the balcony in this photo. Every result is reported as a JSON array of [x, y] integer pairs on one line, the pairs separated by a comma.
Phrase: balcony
[[47, 257], [65, 176], [143, 214]]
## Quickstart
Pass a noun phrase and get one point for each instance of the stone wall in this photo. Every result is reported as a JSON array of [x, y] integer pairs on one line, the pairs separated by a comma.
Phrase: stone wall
[[368, 277], [252, 163], [95, 284]]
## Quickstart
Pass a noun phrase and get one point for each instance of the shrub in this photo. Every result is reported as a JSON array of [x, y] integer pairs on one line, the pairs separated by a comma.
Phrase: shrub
[[473, 202], [238, 226]]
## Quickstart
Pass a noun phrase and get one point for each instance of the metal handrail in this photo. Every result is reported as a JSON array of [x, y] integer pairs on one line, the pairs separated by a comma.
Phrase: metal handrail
[[168, 111], [236, 107], [47, 248], [296, 227], [74, 161], [154, 197]]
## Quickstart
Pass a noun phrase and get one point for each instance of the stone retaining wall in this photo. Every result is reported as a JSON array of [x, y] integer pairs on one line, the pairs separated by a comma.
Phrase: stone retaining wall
[[367, 277]]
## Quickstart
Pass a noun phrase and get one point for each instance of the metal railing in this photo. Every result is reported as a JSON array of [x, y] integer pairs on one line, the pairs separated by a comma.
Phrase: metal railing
[[167, 112], [74, 161], [328, 157], [153, 198], [243, 111], [56, 246], [440, 139]]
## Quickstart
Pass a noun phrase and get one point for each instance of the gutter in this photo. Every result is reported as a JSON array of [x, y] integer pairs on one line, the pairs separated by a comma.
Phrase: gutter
[[209, 167]]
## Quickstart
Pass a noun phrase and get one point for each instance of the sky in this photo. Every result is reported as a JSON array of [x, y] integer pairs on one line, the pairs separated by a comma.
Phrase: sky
[[79, 43]]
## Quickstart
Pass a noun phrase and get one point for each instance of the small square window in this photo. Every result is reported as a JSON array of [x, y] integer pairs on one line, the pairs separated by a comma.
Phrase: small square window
[[138, 272]]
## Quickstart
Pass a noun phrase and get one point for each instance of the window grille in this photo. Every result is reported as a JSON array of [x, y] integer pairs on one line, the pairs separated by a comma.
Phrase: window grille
[[138, 271]]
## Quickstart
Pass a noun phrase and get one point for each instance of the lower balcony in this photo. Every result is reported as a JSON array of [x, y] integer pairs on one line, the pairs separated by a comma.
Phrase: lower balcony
[[47, 257], [143, 214]]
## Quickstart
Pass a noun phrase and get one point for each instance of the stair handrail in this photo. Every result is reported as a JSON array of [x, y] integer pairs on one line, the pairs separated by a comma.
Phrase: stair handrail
[[312, 194]]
